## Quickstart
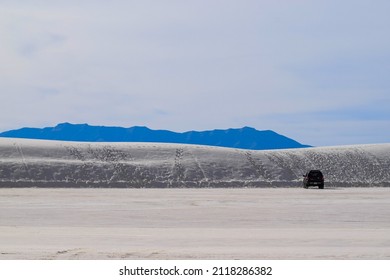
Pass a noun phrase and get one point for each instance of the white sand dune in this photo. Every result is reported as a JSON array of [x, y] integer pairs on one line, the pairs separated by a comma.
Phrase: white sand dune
[[27, 163], [65, 221], [241, 223]]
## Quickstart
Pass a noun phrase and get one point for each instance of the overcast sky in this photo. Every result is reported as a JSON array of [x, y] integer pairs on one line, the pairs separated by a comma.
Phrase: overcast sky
[[317, 71]]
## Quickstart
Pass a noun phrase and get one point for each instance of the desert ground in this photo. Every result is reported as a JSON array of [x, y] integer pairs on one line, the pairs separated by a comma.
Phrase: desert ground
[[239, 223]]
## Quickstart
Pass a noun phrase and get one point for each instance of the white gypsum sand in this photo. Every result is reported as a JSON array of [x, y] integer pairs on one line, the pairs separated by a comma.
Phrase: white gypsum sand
[[241, 223], [39, 163]]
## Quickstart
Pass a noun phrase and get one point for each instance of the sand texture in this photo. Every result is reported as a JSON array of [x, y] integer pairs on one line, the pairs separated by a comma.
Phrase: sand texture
[[39, 163], [240, 223]]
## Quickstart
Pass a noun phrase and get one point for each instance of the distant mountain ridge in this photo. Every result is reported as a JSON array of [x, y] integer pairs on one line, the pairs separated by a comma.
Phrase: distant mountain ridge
[[242, 138]]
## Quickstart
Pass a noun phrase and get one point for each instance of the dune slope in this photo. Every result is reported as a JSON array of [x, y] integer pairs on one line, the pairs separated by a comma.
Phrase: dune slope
[[40, 163]]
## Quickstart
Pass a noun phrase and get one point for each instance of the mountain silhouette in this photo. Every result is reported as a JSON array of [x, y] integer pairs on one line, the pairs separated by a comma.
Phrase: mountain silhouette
[[242, 138]]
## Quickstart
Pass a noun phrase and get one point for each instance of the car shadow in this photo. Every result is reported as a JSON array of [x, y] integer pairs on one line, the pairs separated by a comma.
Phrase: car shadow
[[326, 188]]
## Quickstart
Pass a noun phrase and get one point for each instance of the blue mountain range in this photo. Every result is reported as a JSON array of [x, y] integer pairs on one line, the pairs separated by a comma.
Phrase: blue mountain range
[[242, 138]]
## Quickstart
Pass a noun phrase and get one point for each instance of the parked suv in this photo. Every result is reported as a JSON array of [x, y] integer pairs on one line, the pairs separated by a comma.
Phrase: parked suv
[[313, 178]]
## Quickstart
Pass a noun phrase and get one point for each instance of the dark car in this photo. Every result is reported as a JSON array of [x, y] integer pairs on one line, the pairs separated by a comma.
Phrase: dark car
[[313, 178]]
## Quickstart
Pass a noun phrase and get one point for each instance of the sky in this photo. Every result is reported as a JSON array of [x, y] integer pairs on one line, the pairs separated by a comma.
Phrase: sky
[[316, 71]]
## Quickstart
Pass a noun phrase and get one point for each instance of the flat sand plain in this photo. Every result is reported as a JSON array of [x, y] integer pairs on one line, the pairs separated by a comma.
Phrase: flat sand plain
[[269, 223]]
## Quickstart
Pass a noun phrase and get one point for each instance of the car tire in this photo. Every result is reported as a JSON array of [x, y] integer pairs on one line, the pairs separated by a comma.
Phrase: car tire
[[321, 186]]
